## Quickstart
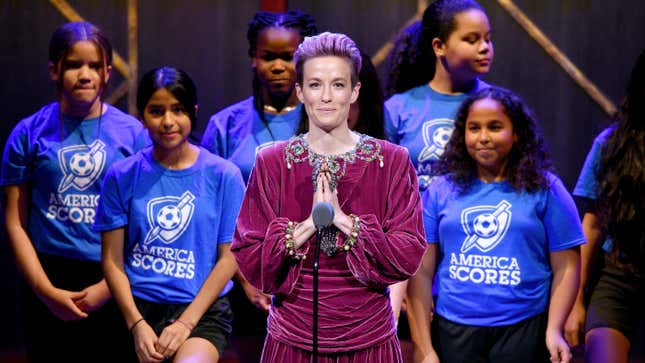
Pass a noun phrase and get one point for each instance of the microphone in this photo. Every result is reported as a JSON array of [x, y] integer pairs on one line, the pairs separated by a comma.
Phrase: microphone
[[322, 214]]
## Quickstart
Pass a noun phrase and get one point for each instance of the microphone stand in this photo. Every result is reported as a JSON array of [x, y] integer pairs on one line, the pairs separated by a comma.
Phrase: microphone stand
[[315, 310], [323, 216]]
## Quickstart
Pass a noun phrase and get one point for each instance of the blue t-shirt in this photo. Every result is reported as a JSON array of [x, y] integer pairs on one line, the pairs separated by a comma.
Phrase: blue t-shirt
[[494, 245], [175, 220], [237, 133], [64, 164], [422, 119], [587, 185]]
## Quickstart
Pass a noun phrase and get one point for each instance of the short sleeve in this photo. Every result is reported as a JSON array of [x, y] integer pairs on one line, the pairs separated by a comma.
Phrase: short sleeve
[[430, 219], [111, 212], [212, 137], [142, 140], [587, 184], [17, 166], [392, 119], [561, 221], [232, 197]]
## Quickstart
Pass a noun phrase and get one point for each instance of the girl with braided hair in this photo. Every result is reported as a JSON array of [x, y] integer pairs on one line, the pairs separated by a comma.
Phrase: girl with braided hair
[[239, 131], [273, 112]]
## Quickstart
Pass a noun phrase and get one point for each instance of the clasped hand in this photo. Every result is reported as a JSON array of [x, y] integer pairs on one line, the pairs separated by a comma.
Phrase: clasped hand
[[323, 193]]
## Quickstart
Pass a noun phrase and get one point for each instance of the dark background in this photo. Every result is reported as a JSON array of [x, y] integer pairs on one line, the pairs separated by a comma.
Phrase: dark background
[[207, 39]]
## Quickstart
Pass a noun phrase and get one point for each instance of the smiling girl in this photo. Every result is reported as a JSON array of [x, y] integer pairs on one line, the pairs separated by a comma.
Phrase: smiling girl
[[504, 236], [167, 216]]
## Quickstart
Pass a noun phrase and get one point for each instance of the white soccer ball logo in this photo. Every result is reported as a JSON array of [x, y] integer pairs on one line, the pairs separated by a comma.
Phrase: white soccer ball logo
[[169, 217], [81, 164], [441, 136], [485, 225]]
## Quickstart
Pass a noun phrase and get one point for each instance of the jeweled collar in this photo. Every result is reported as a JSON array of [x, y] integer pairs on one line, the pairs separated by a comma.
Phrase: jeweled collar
[[298, 150]]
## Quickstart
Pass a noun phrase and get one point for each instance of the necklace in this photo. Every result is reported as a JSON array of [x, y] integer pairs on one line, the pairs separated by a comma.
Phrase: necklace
[[285, 109]]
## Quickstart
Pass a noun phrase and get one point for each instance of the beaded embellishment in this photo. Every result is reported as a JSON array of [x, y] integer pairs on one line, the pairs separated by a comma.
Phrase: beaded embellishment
[[289, 243], [329, 237], [298, 151], [329, 240], [366, 149]]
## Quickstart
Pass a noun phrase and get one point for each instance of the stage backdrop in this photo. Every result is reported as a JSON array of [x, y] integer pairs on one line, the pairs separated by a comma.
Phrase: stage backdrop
[[207, 39]]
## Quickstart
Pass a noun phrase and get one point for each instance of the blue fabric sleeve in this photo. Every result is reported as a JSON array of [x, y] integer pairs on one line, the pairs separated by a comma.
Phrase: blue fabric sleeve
[[211, 139], [111, 212], [232, 200], [587, 184], [391, 122], [16, 164], [142, 141], [561, 220], [430, 219]]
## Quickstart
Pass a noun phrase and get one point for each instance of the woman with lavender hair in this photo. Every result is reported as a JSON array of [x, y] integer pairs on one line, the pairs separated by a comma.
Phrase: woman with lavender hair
[[375, 238]]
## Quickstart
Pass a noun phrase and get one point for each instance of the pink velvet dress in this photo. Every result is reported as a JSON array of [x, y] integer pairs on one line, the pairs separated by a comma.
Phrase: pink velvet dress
[[376, 182]]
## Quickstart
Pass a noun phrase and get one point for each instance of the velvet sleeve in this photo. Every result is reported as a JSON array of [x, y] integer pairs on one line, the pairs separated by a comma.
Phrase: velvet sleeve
[[259, 240], [391, 250]]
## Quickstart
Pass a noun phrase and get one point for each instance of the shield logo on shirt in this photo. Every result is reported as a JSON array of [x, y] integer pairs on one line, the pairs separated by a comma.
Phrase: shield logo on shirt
[[168, 217], [436, 134], [81, 165], [485, 225]]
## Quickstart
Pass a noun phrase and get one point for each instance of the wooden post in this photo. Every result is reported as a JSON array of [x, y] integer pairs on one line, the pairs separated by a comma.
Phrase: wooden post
[[273, 5], [133, 56], [71, 15], [560, 58]]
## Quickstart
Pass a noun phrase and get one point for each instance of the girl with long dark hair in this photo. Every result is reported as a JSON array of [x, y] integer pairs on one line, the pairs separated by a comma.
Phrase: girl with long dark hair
[[166, 218], [612, 185], [52, 168]]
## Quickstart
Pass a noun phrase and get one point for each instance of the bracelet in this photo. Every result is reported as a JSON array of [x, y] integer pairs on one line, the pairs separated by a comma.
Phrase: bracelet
[[135, 324], [185, 324], [289, 242], [353, 235]]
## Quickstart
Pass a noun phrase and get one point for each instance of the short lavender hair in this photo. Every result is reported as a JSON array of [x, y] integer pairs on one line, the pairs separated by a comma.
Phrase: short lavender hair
[[328, 44]]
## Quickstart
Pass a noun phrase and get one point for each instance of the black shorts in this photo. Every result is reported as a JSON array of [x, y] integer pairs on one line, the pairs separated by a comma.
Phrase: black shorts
[[214, 326], [616, 301], [521, 342], [49, 339]]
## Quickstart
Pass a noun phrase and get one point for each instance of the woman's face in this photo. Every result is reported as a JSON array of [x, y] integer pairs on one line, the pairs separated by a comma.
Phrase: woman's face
[[489, 137], [273, 60], [167, 121], [468, 51], [327, 92]]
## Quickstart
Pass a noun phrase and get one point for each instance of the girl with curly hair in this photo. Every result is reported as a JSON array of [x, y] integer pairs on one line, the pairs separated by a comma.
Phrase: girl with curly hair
[[503, 234], [236, 133]]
